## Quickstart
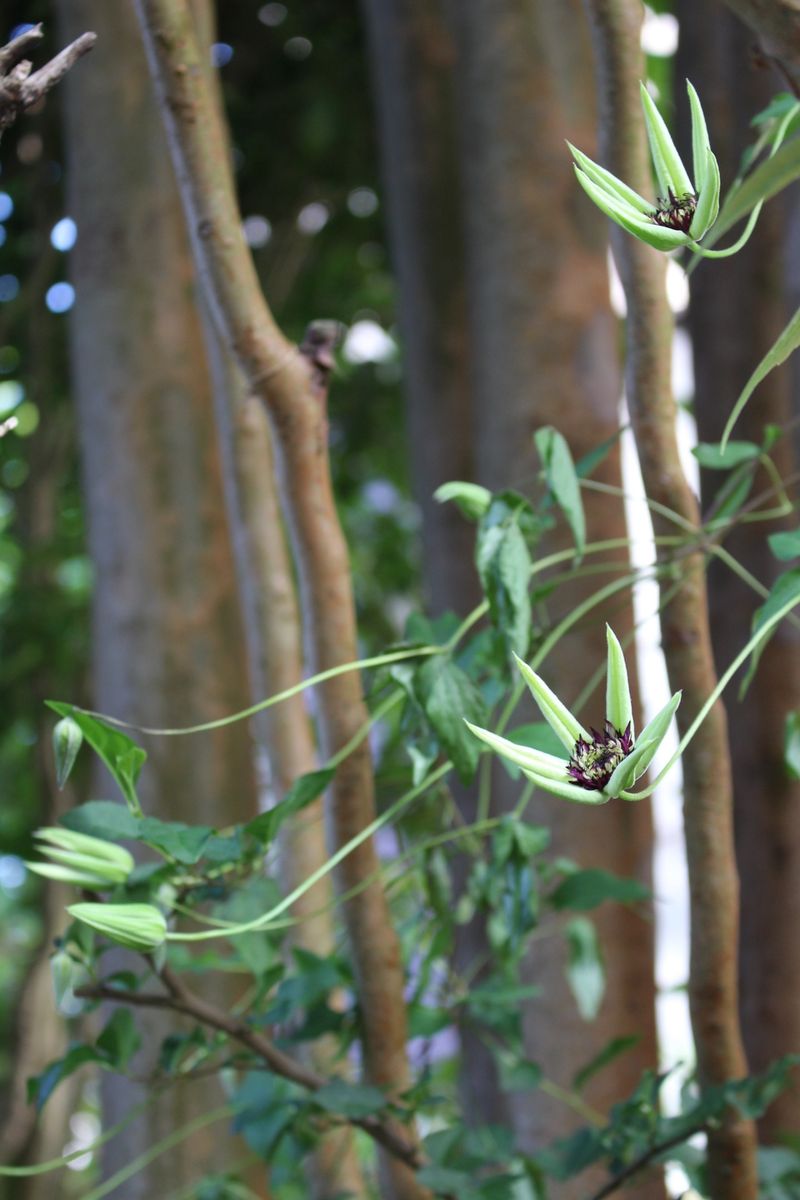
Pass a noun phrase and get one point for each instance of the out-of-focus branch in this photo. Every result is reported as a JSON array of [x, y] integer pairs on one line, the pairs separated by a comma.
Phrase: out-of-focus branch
[[777, 23], [180, 999], [708, 800], [294, 391], [19, 89]]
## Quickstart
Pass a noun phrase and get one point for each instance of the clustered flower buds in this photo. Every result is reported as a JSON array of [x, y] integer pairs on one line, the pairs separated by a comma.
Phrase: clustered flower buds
[[602, 765], [80, 859], [686, 209]]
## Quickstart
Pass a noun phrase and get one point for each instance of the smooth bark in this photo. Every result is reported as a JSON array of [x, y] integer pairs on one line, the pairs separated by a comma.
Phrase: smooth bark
[[737, 311], [708, 799], [293, 387], [168, 641]]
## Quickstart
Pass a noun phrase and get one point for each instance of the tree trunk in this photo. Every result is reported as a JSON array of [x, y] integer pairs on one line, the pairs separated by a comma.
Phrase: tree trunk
[[507, 327], [168, 643], [707, 783], [738, 308]]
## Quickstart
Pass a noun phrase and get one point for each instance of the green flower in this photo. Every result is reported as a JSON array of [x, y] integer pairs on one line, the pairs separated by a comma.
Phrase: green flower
[[602, 765], [137, 926], [686, 210], [80, 859]]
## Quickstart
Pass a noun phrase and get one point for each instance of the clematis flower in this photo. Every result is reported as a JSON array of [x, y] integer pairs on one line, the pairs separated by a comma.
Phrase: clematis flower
[[602, 765], [686, 209]]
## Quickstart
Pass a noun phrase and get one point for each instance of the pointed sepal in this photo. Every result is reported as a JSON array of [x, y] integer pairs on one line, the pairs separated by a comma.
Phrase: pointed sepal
[[670, 171], [566, 727], [619, 710]]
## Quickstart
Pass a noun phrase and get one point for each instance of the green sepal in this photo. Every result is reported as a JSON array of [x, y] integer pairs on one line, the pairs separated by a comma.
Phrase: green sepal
[[619, 710], [627, 772], [566, 728], [136, 926], [701, 146], [658, 236], [568, 791], [653, 735], [670, 171], [707, 201], [609, 183], [546, 765]]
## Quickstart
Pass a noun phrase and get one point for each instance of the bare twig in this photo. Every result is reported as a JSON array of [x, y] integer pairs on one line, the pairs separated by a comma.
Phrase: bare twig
[[178, 998], [19, 89], [633, 1168]]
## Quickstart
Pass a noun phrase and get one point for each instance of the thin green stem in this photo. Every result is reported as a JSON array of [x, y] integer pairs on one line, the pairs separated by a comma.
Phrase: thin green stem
[[264, 921]]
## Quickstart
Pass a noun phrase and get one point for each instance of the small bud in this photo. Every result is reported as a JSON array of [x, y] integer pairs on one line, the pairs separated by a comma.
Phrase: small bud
[[136, 926], [80, 859], [67, 740]]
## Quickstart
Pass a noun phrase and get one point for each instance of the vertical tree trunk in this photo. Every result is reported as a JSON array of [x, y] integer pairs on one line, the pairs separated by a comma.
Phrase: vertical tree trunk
[[708, 799], [168, 644], [507, 326], [738, 308]]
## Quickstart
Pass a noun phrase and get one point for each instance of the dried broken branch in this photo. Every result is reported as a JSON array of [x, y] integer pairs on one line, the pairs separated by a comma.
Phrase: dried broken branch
[[19, 89]]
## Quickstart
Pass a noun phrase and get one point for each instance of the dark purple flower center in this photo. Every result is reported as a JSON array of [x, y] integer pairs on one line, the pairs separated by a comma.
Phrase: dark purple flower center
[[593, 763], [676, 212]]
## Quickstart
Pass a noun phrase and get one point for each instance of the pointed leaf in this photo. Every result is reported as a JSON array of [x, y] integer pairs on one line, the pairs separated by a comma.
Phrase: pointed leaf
[[585, 971], [562, 480], [670, 170], [566, 727], [447, 696], [120, 753], [786, 344], [619, 710], [584, 890]]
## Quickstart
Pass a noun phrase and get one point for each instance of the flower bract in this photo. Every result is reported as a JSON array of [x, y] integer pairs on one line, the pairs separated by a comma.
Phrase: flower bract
[[602, 764], [686, 208]]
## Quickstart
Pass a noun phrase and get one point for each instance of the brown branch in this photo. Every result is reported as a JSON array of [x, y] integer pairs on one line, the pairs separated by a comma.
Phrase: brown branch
[[295, 396], [708, 800], [178, 998], [777, 23], [19, 89], [642, 1161]]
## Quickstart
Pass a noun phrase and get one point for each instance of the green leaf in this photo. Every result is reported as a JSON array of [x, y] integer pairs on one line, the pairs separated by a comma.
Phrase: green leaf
[[791, 744], [785, 345], [717, 458], [120, 1039], [447, 696], [765, 181], [103, 819], [610, 1051], [67, 741], [585, 465], [785, 589], [120, 754], [786, 545], [445, 1180], [472, 499], [584, 890], [562, 480], [41, 1087], [585, 971], [303, 792], [184, 843], [518, 1074], [352, 1100], [504, 566]]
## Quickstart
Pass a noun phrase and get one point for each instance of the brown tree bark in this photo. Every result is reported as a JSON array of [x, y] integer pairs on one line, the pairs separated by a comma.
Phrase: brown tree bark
[[168, 643], [708, 800], [507, 327], [738, 309], [293, 386]]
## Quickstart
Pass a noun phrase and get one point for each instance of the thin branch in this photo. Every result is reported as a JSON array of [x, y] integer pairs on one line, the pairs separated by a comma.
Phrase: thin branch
[[19, 89], [642, 1161], [178, 998]]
